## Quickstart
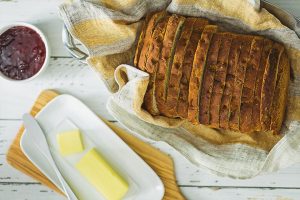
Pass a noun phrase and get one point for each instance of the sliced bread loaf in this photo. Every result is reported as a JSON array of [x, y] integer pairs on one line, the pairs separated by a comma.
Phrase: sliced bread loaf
[[218, 79]]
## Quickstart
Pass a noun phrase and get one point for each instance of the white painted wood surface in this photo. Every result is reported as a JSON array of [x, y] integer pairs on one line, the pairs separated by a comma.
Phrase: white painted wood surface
[[70, 76]]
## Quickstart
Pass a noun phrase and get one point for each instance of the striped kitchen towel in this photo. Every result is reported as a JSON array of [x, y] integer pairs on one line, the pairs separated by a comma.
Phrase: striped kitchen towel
[[109, 30]]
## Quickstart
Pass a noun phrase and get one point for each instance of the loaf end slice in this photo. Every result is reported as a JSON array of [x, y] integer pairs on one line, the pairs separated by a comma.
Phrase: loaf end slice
[[141, 40], [157, 17], [152, 63], [281, 94], [269, 85], [267, 46]]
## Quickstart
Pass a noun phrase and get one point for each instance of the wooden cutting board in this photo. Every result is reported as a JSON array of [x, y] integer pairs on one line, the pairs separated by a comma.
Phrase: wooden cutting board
[[158, 161]]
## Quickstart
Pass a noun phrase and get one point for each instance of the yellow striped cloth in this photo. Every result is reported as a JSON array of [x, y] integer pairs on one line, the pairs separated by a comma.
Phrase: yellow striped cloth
[[108, 29]]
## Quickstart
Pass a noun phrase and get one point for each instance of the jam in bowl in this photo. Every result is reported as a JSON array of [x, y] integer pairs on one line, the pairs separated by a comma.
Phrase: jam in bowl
[[24, 52]]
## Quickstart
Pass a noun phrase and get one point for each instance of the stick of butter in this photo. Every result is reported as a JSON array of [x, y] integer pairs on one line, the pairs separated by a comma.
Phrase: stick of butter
[[69, 142], [98, 172]]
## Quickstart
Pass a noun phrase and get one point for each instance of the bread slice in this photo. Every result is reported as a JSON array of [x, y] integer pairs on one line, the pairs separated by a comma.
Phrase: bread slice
[[141, 40], [281, 93], [267, 46], [173, 31], [238, 82], [176, 70], [152, 63], [246, 124], [182, 104], [219, 79], [157, 17], [269, 85], [233, 59], [204, 65]]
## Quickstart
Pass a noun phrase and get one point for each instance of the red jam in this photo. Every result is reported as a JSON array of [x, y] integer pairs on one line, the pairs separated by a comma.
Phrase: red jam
[[22, 52]]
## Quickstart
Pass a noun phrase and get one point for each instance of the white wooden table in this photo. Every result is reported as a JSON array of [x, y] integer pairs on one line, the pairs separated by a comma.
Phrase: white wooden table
[[70, 76]]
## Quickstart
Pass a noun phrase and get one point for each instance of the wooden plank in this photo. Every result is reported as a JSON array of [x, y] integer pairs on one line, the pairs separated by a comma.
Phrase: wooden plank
[[215, 193], [40, 192], [28, 191], [65, 75], [189, 175]]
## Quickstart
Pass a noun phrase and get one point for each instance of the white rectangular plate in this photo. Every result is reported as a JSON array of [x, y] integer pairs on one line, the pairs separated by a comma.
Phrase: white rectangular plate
[[66, 112]]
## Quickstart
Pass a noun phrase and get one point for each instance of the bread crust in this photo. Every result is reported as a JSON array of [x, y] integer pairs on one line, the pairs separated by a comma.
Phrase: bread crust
[[182, 104]]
